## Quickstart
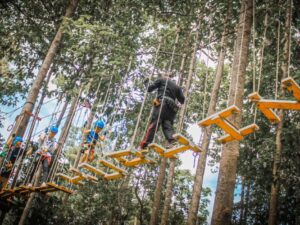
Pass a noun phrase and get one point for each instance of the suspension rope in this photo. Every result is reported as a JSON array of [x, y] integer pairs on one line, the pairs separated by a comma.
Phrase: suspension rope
[[261, 61], [277, 59], [145, 95]]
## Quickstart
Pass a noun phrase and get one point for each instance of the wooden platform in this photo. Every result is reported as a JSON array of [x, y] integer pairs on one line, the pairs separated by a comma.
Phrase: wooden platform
[[112, 166], [52, 187], [291, 86], [137, 157], [244, 131], [266, 106]]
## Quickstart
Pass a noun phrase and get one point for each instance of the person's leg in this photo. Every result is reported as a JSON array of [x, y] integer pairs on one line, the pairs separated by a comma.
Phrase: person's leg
[[151, 128], [45, 164], [168, 130]]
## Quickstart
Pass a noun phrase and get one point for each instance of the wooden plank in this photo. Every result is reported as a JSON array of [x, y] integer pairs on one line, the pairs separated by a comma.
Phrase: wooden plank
[[244, 131], [181, 139], [114, 176], [65, 177], [279, 104], [291, 85], [92, 178], [92, 169], [112, 166], [119, 154], [254, 97], [157, 148], [222, 114], [59, 188], [133, 162], [228, 128], [195, 148], [174, 151], [121, 159], [269, 113]]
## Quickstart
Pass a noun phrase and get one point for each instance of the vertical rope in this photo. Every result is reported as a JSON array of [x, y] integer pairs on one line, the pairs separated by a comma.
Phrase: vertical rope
[[277, 59], [254, 48]]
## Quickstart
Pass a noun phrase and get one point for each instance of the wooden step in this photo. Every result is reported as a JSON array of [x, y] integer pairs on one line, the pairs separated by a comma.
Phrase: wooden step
[[291, 85], [222, 114], [244, 131], [114, 176], [158, 149], [170, 153], [227, 127], [181, 139], [269, 113], [112, 166], [279, 104], [119, 154], [92, 169]]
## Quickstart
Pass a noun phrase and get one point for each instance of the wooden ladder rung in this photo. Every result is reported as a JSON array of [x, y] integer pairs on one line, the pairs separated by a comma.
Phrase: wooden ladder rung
[[158, 148], [254, 97], [291, 85], [114, 176], [228, 128], [92, 169], [59, 188], [170, 153], [112, 166], [119, 154], [244, 131], [181, 139], [279, 104]]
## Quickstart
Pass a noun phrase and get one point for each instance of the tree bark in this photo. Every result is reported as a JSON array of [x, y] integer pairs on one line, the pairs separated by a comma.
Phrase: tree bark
[[157, 193], [226, 180], [197, 188], [20, 126], [62, 113], [272, 220]]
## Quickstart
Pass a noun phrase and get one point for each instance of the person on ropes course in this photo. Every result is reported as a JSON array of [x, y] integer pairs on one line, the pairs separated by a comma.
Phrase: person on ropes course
[[91, 137], [47, 148], [14, 152], [165, 105]]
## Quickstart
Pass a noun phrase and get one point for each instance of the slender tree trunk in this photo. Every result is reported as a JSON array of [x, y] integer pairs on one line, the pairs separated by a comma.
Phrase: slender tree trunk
[[157, 193], [20, 126], [197, 188], [242, 202], [63, 111], [168, 198], [278, 152], [226, 180]]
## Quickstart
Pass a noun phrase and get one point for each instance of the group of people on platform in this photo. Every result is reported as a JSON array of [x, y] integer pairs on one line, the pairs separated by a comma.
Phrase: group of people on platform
[[165, 108]]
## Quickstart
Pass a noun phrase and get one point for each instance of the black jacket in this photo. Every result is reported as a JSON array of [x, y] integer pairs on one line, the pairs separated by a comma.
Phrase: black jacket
[[173, 90]]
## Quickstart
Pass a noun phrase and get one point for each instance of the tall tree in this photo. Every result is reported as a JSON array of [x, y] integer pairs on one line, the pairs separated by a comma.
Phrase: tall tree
[[198, 182], [273, 212], [226, 180], [20, 126]]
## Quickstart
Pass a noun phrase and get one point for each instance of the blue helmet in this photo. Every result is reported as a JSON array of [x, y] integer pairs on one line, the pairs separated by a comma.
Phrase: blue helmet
[[54, 129], [17, 139], [99, 123]]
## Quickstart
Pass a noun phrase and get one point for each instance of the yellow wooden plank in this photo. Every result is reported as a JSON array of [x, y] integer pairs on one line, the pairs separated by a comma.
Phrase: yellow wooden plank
[[244, 131], [92, 169], [233, 109], [59, 188], [121, 159], [269, 113], [76, 179], [140, 153], [254, 97], [291, 85], [181, 139], [92, 178], [76, 171], [119, 154], [195, 148], [228, 128], [65, 177], [114, 176], [111, 166], [133, 162], [174, 151], [157, 148], [279, 104]]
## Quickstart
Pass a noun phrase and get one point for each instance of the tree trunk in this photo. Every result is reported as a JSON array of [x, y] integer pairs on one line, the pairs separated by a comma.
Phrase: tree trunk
[[197, 188], [20, 126], [62, 113], [157, 193], [241, 221], [278, 152], [228, 164]]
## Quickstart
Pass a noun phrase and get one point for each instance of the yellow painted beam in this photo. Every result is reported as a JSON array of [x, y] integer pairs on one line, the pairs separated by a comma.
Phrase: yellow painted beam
[[228, 128], [119, 154], [92, 169], [292, 87], [59, 188], [112, 166], [113, 176], [174, 151], [279, 104], [244, 131], [181, 139], [157, 148]]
